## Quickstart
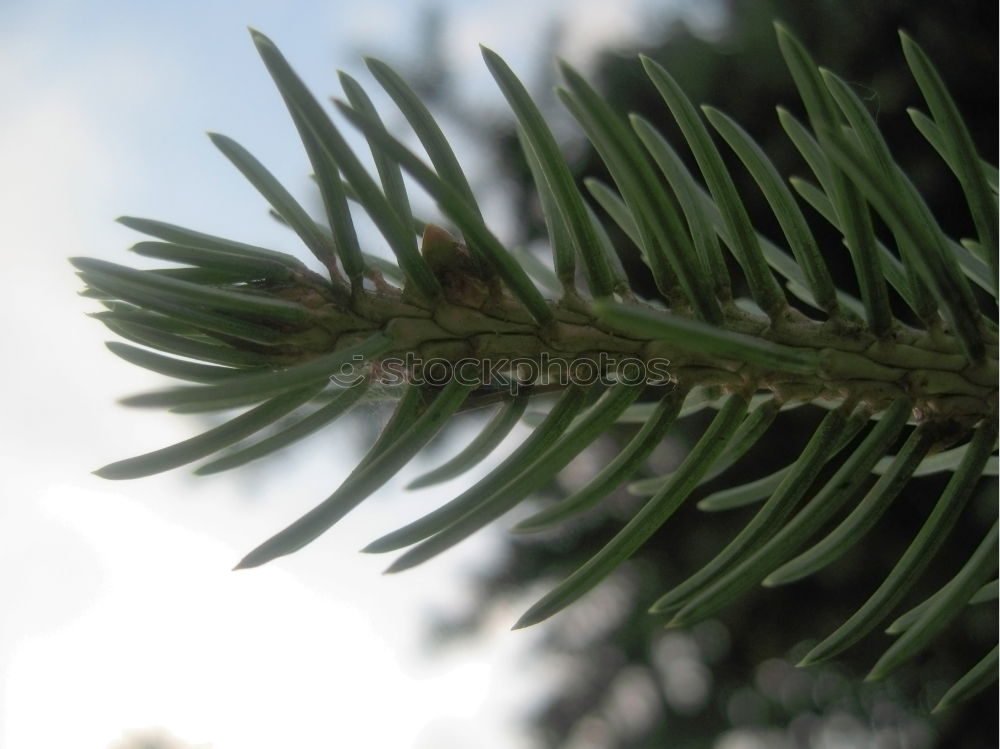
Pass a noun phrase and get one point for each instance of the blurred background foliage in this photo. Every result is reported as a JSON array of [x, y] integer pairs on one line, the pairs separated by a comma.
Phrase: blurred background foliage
[[622, 680], [153, 738]]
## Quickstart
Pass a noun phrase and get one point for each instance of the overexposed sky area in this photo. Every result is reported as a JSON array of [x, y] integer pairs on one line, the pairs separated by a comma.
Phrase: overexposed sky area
[[120, 612]]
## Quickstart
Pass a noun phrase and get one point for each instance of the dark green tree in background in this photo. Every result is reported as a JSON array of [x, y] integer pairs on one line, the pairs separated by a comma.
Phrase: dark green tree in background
[[621, 686]]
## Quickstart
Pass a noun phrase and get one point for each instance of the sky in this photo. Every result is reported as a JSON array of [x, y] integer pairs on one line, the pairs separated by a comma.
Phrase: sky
[[121, 613]]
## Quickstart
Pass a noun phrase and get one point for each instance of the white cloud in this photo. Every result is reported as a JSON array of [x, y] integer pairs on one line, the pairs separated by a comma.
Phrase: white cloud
[[173, 639]]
